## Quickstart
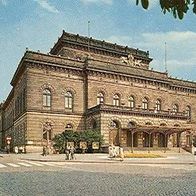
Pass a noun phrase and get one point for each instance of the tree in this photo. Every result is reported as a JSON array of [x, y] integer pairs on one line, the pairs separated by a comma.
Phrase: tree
[[177, 7], [89, 136]]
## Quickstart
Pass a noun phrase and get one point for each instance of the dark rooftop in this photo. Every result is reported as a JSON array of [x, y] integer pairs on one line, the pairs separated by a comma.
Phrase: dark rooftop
[[91, 43]]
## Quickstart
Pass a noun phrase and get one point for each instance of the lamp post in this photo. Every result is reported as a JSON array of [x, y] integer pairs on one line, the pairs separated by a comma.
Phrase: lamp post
[[165, 142], [149, 141]]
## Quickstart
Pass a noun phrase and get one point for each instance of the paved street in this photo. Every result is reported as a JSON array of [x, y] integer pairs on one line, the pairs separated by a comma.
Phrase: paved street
[[116, 178]]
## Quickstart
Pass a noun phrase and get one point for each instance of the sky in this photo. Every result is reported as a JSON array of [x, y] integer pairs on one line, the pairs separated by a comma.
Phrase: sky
[[37, 24]]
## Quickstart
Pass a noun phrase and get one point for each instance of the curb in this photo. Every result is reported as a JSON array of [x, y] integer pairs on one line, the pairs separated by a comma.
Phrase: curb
[[114, 161]]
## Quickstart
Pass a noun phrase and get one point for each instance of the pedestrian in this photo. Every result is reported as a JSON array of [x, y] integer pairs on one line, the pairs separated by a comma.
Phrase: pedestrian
[[121, 153], [67, 154], [111, 154], [44, 151], [23, 149], [47, 150], [72, 150], [8, 149], [20, 149], [16, 149]]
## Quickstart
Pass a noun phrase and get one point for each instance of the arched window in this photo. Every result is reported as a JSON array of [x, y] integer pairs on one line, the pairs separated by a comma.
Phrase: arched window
[[69, 127], [114, 124], [158, 105], [188, 111], [68, 100], [46, 98], [175, 108], [116, 100], [100, 98], [131, 124], [131, 102], [148, 123], [145, 104]]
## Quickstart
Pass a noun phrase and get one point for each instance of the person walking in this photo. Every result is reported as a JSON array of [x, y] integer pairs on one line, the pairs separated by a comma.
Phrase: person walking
[[44, 151], [8, 149], [121, 153], [72, 151], [16, 149], [68, 153]]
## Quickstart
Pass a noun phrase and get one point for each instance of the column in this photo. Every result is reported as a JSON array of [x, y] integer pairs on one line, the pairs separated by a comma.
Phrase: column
[[155, 140], [140, 140]]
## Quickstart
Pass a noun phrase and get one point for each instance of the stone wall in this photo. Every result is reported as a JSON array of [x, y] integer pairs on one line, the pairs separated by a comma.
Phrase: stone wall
[[110, 86], [59, 83]]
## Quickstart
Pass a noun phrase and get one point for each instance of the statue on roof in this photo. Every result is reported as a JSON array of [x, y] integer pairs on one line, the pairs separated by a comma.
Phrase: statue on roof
[[130, 60]]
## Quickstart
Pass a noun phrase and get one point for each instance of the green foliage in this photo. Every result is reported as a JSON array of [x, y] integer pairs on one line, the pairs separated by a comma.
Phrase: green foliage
[[177, 7], [59, 142], [88, 136]]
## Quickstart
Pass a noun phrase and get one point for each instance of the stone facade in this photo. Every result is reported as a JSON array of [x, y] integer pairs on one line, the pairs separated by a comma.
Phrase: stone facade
[[85, 83]]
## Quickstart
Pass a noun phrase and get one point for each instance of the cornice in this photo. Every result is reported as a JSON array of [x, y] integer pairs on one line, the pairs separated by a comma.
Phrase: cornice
[[110, 109]]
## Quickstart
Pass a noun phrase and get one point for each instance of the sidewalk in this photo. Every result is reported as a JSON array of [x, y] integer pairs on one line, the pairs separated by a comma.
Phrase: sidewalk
[[169, 158]]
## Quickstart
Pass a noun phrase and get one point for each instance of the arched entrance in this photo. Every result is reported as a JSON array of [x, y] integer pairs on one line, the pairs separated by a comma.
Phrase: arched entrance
[[135, 139], [161, 140], [132, 135], [147, 139]]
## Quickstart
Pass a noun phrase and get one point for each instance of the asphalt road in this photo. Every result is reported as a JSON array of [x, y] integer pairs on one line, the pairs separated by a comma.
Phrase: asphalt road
[[95, 179]]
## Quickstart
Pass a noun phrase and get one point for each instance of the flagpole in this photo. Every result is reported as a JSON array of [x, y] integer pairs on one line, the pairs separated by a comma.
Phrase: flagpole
[[166, 57]]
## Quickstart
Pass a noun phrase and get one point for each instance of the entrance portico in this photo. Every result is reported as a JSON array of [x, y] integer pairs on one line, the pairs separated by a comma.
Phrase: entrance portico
[[151, 137]]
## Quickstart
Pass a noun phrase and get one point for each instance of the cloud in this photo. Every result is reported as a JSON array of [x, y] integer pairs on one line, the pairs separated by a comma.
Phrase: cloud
[[122, 40], [180, 47], [3, 2], [109, 2], [47, 6]]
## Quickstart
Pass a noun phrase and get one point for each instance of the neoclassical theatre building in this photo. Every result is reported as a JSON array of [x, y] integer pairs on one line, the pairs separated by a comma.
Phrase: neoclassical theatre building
[[84, 83]]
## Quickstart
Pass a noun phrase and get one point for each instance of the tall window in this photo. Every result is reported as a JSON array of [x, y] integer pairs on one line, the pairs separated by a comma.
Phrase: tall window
[[68, 100], [116, 100], [131, 102], [175, 108], [145, 104], [100, 98], [188, 111], [47, 98], [158, 105]]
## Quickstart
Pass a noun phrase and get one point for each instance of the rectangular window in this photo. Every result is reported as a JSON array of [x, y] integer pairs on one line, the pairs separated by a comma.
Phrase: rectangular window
[[46, 100], [68, 102]]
